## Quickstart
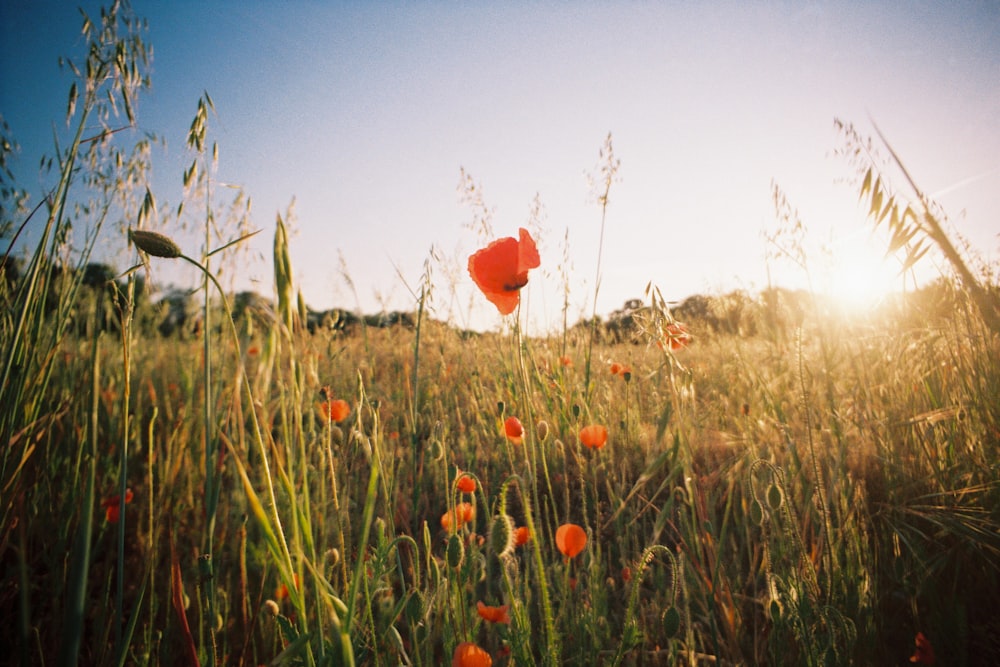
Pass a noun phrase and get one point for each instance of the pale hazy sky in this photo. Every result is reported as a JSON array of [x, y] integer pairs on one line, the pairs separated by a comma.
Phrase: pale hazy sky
[[366, 112]]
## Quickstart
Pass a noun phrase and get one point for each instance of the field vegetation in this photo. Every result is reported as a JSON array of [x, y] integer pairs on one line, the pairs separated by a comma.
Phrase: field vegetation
[[739, 479]]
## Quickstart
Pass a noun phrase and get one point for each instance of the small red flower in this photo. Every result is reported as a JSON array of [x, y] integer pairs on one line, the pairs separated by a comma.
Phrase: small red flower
[[675, 336], [336, 411], [452, 521], [565, 361], [513, 429], [500, 270], [570, 539], [281, 592], [467, 654], [493, 614], [465, 483], [619, 369], [521, 536], [924, 653], [594, 436], [112, 506]]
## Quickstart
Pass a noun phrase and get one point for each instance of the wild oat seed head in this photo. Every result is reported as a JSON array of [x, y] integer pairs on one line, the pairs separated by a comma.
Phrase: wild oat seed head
[[154, 243]]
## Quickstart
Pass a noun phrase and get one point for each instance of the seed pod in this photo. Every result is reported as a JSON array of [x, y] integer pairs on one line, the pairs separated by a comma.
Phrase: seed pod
[[154, 243]]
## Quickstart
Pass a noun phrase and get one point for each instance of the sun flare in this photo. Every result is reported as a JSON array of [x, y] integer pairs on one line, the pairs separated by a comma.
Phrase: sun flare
[[859, 276]]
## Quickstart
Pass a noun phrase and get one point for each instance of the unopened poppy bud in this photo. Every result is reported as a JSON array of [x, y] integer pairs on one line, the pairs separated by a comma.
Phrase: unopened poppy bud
[[455, 553], [154, 243], [671, 622], [271, 607], [502, 535], [542, 429], [501, 406], [774, 496], [436, 450], [334, 556]]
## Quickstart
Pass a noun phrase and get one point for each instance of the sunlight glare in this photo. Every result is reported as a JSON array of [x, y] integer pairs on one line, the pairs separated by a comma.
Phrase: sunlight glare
[[858, 276]]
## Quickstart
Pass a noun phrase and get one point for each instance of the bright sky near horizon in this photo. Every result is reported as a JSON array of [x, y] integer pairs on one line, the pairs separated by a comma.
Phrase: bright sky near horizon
[[365, 113]]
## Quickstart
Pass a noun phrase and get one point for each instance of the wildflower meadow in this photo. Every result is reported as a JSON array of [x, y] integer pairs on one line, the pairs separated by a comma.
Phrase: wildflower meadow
[[771, 482]]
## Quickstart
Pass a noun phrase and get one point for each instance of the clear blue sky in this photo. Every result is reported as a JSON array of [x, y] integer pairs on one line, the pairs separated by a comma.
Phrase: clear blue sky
[[366, 112]]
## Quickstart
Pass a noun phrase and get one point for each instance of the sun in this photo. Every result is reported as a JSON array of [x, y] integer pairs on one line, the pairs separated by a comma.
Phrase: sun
[[858, 276]]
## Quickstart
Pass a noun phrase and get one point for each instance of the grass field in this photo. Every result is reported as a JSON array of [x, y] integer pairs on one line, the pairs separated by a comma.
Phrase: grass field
[[801, 488]]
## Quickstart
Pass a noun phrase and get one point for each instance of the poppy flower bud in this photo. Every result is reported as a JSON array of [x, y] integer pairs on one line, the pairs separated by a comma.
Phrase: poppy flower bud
[[774, 496], [671, 622], [154, 243], [542, 430], [502, 535], [271, 607], [455, 552]]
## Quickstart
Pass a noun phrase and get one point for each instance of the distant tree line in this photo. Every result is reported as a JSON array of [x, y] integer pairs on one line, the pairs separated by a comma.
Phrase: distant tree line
[[177, 312]]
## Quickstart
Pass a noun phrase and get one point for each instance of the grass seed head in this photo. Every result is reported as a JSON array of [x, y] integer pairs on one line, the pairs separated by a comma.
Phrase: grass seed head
[[154, 243]]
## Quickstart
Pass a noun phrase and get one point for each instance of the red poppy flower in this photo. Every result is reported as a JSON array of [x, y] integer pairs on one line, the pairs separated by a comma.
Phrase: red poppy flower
[[493, 614], [570, 539], [513, 429], [521, 536], [464, 512], [500, 270], [924, 653], [281, 592], [467, 654], [594, 436], [619, 369], [112, 506], [465, 483], [565, 361], [335, 411], [675, 336]]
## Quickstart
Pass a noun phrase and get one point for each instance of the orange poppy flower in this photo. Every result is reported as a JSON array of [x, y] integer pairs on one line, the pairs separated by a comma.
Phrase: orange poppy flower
[[570, 539], [565, 361], [464, 512], [281, 592], [500, 270], [465, 483], [521, 536], [467, 654], [112, 506], [513, 429], [676, 336], [493, 614], [335, 411], [594, 436], [619, 369], [924, 653]]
